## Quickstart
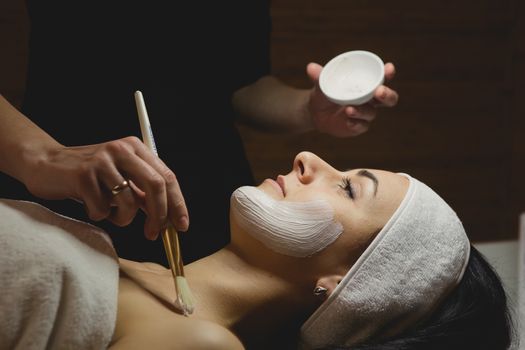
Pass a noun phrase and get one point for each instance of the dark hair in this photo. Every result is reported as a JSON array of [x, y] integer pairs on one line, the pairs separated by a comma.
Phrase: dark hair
[[474, 316]]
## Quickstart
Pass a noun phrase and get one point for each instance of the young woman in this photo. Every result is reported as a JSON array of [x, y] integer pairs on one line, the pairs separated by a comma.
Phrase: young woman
[[362, 259]]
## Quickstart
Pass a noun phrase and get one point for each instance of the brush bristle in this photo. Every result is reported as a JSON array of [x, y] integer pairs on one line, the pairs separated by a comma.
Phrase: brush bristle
[[185, 299]]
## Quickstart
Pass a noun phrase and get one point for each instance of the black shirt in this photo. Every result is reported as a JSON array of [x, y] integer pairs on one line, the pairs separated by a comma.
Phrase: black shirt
[[87, 58]]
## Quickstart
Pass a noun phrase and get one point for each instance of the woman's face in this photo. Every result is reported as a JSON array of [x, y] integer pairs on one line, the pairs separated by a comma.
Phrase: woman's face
[[362, 201]]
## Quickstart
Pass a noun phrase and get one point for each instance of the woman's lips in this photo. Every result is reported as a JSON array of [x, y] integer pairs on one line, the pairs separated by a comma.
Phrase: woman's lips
[[276, 185]]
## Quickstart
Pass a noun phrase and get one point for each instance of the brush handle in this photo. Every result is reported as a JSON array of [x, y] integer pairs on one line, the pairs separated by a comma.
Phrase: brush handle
[[145, 126], [170, 239], [169, 236]]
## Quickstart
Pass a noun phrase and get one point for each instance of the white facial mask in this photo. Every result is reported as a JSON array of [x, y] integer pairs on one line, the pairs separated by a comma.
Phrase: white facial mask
[[298, 229]]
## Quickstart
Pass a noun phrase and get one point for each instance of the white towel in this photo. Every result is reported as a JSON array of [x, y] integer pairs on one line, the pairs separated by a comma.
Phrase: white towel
[[58, 280], [410, 266]]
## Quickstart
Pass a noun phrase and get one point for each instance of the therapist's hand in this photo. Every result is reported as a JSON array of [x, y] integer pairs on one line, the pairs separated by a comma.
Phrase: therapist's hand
[[345, 121], [89, 173]]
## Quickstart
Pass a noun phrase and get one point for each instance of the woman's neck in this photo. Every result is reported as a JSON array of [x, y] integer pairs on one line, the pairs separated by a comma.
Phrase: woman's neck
[[250, 301]]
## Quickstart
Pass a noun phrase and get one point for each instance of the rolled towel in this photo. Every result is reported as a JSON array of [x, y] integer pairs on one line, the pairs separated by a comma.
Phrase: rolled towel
[[418, 257], [59, 279]]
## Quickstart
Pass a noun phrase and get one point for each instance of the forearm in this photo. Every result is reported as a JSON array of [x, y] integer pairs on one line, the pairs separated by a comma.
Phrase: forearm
[[271, 105], [21, 142]]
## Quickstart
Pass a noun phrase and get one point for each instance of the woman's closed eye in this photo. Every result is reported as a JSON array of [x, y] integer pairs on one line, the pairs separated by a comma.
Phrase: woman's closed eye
[[346, 185]]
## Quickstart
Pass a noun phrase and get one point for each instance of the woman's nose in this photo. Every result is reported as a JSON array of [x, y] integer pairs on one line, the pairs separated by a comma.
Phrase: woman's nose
[[308, 166]]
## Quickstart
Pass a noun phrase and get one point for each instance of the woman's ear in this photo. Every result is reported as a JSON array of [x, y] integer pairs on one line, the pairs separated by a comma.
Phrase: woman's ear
[[329, 283]]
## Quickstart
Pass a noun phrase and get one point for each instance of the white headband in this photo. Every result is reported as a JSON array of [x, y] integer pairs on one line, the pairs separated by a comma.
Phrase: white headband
[[415, 260]]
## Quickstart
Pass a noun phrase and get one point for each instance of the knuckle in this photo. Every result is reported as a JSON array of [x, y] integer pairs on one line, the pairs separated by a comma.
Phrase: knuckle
[[84, 178], [101, 159], [169, 177], [117, 147], [157, 182], [162, 219], [180, 203], [83, 170], [133, 141]]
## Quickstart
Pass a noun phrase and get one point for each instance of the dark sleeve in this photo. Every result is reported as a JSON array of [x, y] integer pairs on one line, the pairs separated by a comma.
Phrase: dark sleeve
[[252, 49]]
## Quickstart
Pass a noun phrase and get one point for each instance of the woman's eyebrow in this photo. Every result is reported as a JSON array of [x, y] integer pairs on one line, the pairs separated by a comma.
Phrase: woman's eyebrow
[[366, 173]]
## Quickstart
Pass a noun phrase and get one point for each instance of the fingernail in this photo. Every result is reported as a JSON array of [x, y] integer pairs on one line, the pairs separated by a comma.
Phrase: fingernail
[[182, 223], [350, 111]]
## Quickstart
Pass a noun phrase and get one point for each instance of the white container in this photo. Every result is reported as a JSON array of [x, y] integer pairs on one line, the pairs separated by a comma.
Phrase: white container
[[352, 77]]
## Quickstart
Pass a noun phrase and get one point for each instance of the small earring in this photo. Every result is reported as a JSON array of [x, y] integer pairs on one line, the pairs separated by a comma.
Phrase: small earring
[[320, 291]]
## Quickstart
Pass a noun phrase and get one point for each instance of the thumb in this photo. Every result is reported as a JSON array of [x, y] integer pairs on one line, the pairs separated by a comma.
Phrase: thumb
[[313, 70]]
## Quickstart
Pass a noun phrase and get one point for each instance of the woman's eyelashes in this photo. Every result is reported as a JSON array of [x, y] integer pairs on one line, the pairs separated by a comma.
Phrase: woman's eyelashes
[[346, 185]]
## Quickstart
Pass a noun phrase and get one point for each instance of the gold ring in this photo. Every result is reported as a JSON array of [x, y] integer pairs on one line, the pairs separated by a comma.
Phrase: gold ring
[[120, 187]]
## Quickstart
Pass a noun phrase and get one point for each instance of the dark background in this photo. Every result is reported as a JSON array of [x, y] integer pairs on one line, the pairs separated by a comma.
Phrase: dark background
[[459, 125]]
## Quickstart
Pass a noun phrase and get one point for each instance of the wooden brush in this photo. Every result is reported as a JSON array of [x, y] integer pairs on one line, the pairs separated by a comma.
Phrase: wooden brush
[[184, 300]]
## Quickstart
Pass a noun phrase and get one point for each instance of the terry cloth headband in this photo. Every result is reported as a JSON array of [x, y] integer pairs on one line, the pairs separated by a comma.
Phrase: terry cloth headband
[[415, 260]]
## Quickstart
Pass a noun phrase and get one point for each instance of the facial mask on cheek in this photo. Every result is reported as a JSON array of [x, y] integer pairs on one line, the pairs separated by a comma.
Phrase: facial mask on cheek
[[298, 229]]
